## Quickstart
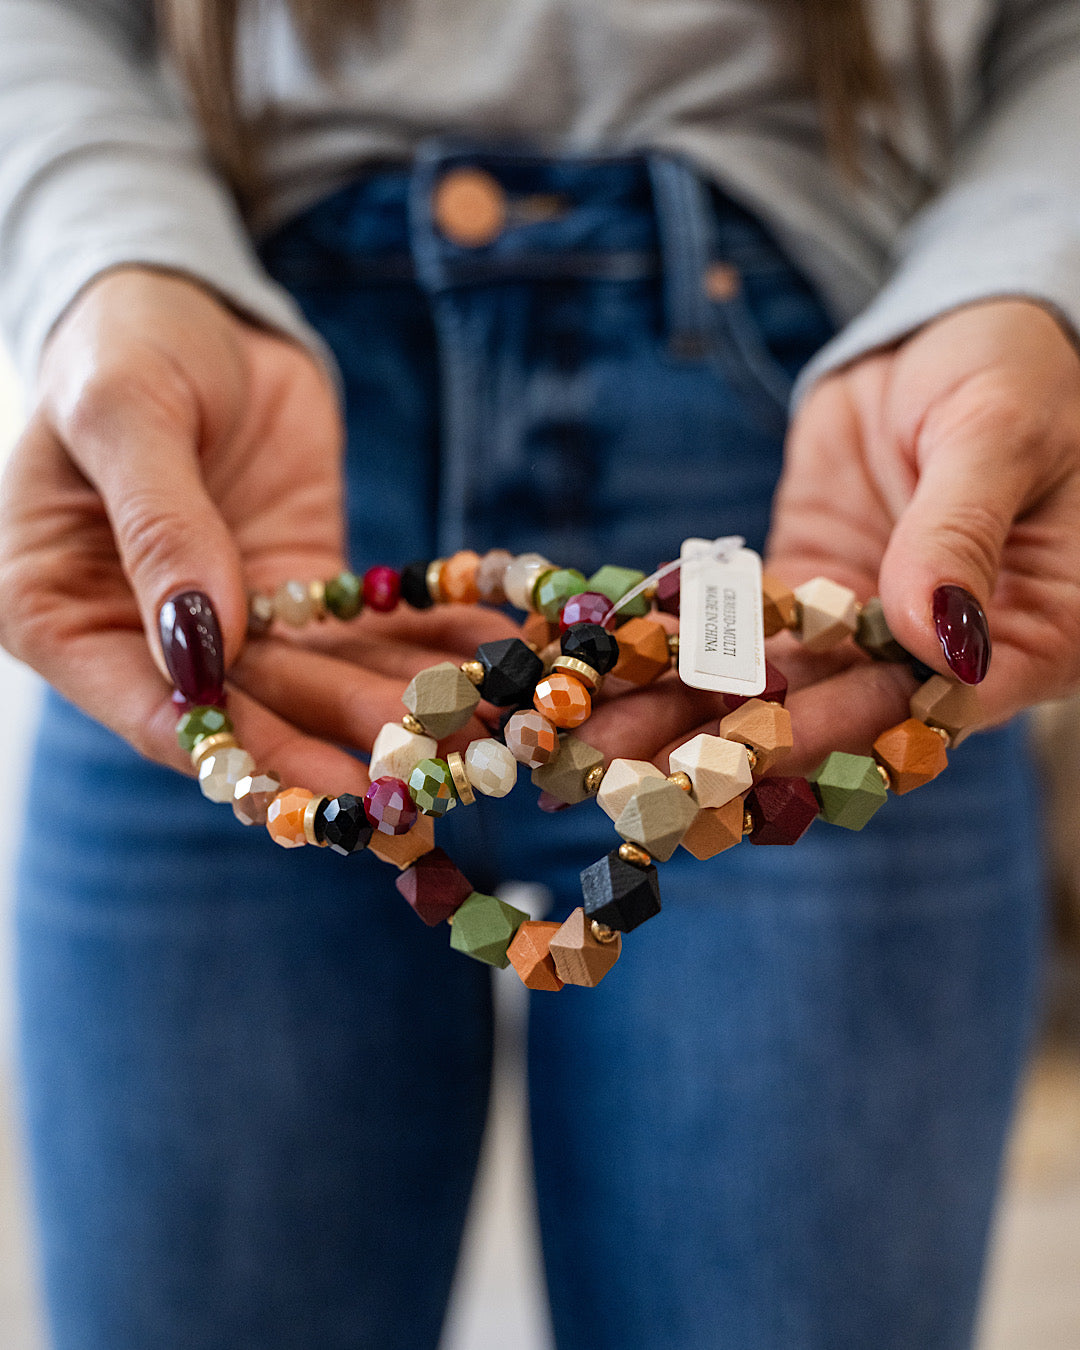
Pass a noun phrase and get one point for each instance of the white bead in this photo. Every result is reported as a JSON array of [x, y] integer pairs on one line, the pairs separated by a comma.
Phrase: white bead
[[621, 781], [220, 772], [521, 576], [829, 613], [491, 768], [397, 751], [292, 603], [718, 769]]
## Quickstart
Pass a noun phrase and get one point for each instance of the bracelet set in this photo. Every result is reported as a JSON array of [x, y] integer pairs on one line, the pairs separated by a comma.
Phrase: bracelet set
[[719, 789]]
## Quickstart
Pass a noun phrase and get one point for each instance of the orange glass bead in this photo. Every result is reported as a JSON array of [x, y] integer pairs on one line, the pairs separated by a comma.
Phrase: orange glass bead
[[457, 580], [563, 700], [285, 817]]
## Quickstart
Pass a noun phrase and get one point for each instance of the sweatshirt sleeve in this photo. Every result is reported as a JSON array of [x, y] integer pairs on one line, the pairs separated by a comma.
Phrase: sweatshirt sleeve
[[101, 166], [1007, 223]]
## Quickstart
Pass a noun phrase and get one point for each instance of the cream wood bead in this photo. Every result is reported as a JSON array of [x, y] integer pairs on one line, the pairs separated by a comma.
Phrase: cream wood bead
[[220, 772], [719, 769], [621, 781], [521, 576], [397, 751], [829, 613], [490, 767]]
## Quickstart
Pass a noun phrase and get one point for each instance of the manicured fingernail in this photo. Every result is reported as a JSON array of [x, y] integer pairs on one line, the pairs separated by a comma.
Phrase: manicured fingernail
[[963, 632], [192, 647]]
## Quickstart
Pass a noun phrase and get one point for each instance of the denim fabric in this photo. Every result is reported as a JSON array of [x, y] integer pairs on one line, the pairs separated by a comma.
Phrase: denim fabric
[[256, 1084]]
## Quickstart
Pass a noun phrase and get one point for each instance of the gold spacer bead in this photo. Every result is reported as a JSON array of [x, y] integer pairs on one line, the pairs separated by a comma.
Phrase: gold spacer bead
[[461, 779], [317, 592], [751, 757], [593, 779], [673, 646], [310, 812], [433, 579], [649, 593], [883, 771], [602, 933], [747, 823], [474, 672], [221, 740], [681, 780], [581, 670], [942, 733], [634, 853], [413, 724]]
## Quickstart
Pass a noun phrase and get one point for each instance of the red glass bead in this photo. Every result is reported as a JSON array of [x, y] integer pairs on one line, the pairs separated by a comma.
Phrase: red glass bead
[[588, 607], [781, 809], [775, 690], [434, 886], [389, 806], [382, 589], [667, 592]]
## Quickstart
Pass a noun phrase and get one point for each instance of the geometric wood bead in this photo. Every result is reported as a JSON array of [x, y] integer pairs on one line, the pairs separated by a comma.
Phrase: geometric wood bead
[[781, 809], [719, 769], [912, 754], [530, 955], [874, 635], [484, 927], [564, 776], [775, 691], [511, 670], [849, 788], [434, 886], [714, 829], [764, 727], [829, 613], [620, 894], [657, 816], [621, 781], [397, 751], [579, 957], [441, 698], [403, 849], [779, 610], [531, 738], [643, 651], [614, 582], [947, 704]]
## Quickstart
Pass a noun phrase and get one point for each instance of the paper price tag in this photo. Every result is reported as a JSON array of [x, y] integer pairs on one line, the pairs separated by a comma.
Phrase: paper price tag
[[721, 638]]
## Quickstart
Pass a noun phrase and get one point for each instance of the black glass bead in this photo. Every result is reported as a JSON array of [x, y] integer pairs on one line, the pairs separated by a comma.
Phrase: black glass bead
[[620, 894], [511, 670], [414, 588], [592, 644], [344, 823]]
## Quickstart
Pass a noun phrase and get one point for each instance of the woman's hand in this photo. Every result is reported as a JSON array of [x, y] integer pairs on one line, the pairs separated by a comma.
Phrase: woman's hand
[[175, 447]]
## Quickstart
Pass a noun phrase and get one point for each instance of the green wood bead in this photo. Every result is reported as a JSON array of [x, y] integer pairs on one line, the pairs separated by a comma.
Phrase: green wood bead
[[345, 595], [614, 582], [564, 776], [198, 723], [484, 927], [431, 786], [849, 788], [554, 589]]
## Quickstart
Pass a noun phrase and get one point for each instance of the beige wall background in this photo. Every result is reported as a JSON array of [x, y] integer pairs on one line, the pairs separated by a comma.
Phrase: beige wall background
[[1033, 1291]]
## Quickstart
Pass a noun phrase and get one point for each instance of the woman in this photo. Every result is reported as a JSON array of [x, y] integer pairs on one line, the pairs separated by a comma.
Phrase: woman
[[566, 261]]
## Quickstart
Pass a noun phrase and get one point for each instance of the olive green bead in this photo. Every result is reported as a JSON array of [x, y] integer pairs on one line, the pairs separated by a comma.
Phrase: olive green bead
[[431, 786], [614, 582], [345, 595], [553, 590], [198, 723], [849, 788], [484, 927]]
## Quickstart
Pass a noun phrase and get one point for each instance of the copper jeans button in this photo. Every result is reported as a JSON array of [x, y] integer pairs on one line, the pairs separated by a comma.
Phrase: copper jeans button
[[469, 207]]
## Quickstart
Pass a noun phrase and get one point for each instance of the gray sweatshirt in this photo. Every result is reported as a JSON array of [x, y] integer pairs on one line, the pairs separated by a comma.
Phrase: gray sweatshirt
[[101, 165]]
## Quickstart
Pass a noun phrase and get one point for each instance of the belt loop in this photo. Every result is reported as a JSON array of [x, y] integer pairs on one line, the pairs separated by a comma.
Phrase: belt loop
[[685, 226]]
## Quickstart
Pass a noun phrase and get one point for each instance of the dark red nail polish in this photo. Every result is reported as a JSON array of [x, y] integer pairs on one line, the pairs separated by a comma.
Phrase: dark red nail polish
[[192, 647], [963, 632]]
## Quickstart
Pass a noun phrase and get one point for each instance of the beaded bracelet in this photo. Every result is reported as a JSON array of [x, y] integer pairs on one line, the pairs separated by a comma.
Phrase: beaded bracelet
[[719, 789]]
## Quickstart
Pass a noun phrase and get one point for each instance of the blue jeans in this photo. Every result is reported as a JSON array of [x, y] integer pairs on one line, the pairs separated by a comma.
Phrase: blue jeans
[[256, 1085]]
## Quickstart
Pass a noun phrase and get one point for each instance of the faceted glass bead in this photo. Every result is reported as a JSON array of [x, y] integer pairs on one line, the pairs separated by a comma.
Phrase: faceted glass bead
[[382, 589], [656, 817], [491, 768], [554, 589], [397, 751], [588, 607], [484, 927], [592, 644], [200, 722], [563, 700], [643, 651], [521, 576], [389, 807], [220, 772], [414, 587], [620, 894], [344, 824], [403, 849], [511, 670], [668, 591], [849, 789], [490, 574], [531, 738], [285, 817], [775, 691], [614, 582], [434, 886], [581, 958], [457, 580], [431, 787], [441, 698], [564, 776], [252, 797], [530, 955], [781, 809], [293, 604], [345, 595]]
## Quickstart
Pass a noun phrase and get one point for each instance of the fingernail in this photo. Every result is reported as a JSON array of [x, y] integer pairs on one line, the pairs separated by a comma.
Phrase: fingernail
[[192, 647], [963, 633]]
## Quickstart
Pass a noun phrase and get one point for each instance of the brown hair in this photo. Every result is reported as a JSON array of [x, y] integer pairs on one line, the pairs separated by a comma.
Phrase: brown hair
[[832, 41]]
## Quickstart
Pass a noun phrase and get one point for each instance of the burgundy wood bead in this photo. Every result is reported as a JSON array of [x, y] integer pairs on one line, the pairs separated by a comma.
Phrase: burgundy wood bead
[[434, 886], [781, 809], [382, 589], [667, 592], [588, 607], [192, 647], [775, 690]]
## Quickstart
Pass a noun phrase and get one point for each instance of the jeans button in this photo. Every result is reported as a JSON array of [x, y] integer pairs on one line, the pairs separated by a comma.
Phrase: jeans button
[[469, 207]]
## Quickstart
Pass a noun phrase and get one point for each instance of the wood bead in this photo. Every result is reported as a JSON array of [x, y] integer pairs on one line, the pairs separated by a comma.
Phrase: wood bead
[[434, 886], [530, 955], [717, 767], [947, 704], [656, 817], [828, 613], [912, 754], [775, 691], [620, 895], [484, 927], [563, 700], [643, 651], [578, 956], [715, 829], [564, 777], [441, 698], [614, 582], [397, 751], [779, 610], [538, 632], [874, 635], [458, 578], [404, 849], [764, 727], [621, 781], [849, 789], [781, 810]]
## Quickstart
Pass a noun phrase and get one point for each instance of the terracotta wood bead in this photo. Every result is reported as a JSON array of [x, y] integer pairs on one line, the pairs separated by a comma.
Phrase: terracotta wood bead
[[285, 817], [656, 817], [404, 849], [643, 651], [458, 579], [828, 613], [621, 781], [764, 727], [538, 632], [715, 829], [779, 609], [578, 956], [718, 768], [530, 955], [946, 704], [912, 754], [563, 700]]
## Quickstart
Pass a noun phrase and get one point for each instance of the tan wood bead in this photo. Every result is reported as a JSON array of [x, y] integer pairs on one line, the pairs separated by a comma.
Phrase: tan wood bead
[[911, 754], [656, 817], [947, 704], [564, 776], [717, 766], [441, 698], [778, 607], [828, 613], [643, 651], [715, 829], [530, 954], [764, 727], [403, 849], [579, 957], [621, 781]]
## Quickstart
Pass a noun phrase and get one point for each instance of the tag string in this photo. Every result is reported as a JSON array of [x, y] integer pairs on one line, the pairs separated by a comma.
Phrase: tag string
[[720, 549]]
